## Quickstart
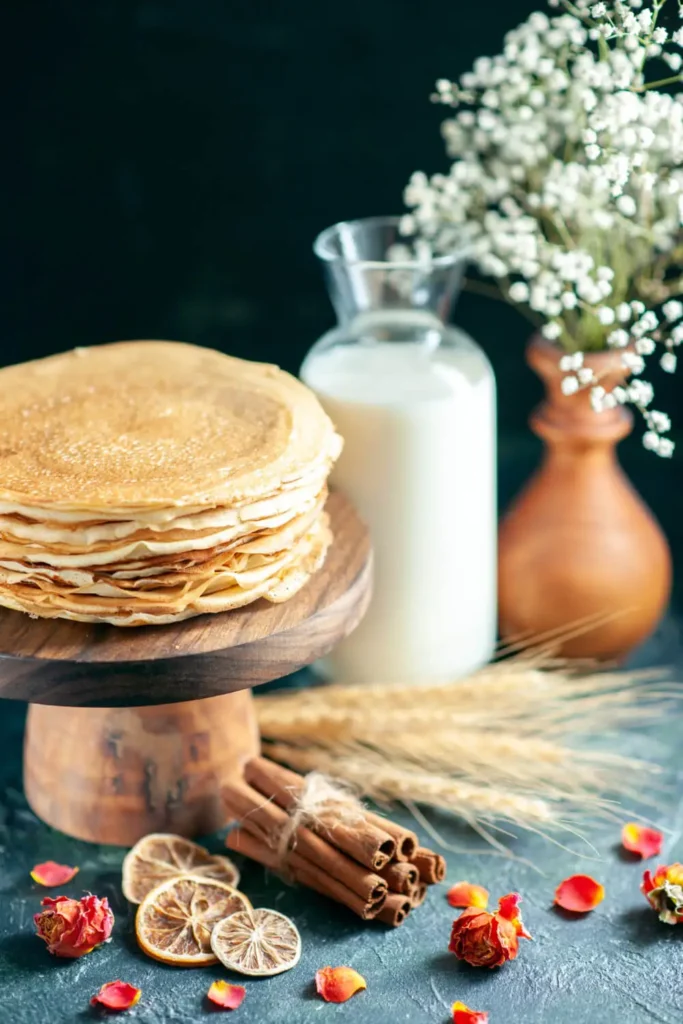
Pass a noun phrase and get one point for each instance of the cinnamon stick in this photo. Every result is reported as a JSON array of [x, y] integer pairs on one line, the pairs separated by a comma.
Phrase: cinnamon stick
[[401, 877], [432, 866], [262, 817], [367, 842], [303, 872], [407, 842], [419, 895], [395, 910]]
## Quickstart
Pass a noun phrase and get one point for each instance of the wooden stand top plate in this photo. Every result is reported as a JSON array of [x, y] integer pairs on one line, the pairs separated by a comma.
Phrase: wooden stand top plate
[[59, 662]]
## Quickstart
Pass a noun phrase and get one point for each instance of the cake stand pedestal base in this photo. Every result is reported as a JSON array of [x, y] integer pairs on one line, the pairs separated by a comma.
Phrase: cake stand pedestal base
[[111, 775], [132, 731]]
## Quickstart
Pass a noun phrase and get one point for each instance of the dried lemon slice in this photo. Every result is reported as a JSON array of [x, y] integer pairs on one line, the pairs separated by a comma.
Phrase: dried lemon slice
[[174, 921], [258, 942], [158, 857]]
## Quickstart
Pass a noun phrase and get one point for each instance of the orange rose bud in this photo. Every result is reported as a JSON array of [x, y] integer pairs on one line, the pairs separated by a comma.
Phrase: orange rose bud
[[664, 892], [72, 928], [337, 984], [462, 894], [50, 873], [483, 939], [117, 995], [647, 842], [579, 893], [229, 997], [463, 1015]]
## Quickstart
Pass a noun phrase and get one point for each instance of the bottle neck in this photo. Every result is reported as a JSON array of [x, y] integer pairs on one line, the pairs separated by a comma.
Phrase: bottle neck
[[389, 292], [396, 328]]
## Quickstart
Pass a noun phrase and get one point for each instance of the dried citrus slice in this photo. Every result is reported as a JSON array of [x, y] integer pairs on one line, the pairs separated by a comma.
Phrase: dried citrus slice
[[158, 857], [174, 921], [258, 942]]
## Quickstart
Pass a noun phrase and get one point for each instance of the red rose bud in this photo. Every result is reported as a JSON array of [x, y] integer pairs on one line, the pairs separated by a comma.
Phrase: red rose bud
[[664, 892], [484, 939], [72, 928]]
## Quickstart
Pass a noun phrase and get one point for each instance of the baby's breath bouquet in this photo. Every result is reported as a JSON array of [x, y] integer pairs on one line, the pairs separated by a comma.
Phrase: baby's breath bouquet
[[567, 180]]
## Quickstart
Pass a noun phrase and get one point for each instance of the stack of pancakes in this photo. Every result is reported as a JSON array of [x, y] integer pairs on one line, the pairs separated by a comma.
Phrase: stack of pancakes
[[147, 482]]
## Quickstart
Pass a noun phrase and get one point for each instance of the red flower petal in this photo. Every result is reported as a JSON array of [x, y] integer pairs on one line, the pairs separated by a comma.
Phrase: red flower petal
[[228, 996], [462, 894], [117, 995], [579, 893], [645, 841], [463, 1015], [337, 984], [51, 874], [508, 908]]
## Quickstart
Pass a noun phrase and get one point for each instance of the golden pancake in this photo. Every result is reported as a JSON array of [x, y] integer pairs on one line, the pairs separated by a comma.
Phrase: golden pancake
[[146, 482], [84, 609], [153, 424]]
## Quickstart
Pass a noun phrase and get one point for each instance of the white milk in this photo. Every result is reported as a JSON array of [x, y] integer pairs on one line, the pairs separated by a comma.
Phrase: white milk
[[418, 422]]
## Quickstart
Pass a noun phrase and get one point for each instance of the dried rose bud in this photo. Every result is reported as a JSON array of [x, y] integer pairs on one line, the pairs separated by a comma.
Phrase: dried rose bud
[[488, 940], [664, 892], [72, 928]]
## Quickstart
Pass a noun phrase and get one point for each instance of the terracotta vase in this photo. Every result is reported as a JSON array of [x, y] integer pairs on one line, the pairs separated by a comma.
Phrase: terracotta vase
[[578, 542]]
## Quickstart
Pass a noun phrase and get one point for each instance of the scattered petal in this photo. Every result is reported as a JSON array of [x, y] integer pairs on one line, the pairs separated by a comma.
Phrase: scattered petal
[[579, 893], [638, 839], [222, 993], [463, 1015], [117, 995], [337, 984], [51, 874], [462, 894]]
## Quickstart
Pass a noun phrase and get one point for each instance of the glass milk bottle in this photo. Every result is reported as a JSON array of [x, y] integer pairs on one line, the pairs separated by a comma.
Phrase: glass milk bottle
[[414, 400]]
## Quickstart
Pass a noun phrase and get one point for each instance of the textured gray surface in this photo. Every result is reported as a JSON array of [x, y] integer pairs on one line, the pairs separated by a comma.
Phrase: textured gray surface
[[617, 965]]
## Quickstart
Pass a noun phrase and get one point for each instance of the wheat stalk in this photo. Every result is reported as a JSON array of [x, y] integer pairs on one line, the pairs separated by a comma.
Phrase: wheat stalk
[[501, 745]]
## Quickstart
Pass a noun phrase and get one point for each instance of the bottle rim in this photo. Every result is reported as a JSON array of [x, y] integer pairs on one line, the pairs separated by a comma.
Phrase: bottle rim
[[326, 247]]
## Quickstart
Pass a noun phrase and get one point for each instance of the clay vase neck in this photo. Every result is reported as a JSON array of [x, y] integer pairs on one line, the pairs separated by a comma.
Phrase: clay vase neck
[[567, 421], [578, 544]]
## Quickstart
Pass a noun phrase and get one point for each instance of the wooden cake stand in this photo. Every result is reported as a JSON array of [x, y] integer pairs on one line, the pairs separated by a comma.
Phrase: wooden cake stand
[[119, 743]]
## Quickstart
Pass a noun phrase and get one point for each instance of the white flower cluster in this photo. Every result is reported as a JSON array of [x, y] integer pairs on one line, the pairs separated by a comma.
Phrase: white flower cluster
[[567, 181]]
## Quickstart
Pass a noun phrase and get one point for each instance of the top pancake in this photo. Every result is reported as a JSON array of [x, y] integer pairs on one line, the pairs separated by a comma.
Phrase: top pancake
[[146, 425]]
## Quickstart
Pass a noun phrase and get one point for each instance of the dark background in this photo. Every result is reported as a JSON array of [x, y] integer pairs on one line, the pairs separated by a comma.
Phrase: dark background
[[167, 164], [172, 161]]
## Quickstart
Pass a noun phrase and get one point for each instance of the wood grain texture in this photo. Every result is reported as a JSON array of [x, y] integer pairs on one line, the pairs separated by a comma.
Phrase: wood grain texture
[[160, 767], [58, 662], [579, 542], [137, 770]]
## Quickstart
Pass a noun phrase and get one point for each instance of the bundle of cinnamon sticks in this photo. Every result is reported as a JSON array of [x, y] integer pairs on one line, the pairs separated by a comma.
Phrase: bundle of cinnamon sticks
[[369, 864]]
